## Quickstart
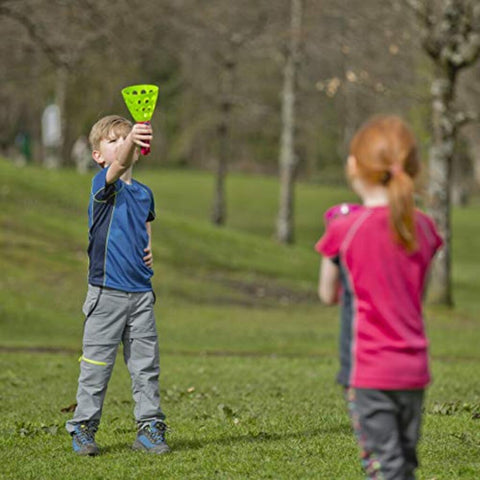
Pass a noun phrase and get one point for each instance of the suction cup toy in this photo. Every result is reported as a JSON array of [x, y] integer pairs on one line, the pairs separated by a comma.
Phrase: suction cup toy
[[141, 101]]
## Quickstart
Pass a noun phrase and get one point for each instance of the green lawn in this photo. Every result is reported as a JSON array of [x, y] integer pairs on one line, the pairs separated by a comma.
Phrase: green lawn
[[248, 354]]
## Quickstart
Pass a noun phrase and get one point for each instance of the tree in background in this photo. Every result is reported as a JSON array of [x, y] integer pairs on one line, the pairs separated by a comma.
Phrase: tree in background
[[219, 66], [451, 37], [288, 157], [63, 32], [466, 173], [361, 58], [215, 38]]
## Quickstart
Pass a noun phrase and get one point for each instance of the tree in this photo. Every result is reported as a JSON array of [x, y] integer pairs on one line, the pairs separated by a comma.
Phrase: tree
[[228, 63], [218, 34], [63, 32], [288, 159], [451, 37], [468, 175]]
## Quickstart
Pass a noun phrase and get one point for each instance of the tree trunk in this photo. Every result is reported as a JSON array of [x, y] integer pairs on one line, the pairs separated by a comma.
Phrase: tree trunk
[[462, 176], [451, 37], [349, 104], [288, 159], [61, 101], [219, 210], [440, 167]]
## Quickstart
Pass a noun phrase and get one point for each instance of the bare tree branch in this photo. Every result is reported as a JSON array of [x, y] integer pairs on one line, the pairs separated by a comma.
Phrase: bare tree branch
[[463, 118], [424, 12], [50, 51]]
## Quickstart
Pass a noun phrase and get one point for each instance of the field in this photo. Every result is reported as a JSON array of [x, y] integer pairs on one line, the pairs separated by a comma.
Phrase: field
[[248, 354]]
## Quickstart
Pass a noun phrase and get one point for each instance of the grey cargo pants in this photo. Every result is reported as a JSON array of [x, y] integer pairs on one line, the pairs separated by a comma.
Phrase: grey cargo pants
[[113, 316], [387, 427]]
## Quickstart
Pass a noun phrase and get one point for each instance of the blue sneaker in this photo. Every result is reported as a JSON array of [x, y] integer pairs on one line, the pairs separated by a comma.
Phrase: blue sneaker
[[151, 438], [83, 439]]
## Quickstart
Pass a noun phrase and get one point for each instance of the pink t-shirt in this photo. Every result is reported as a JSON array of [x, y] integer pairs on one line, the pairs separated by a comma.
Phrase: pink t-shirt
[[387, 344]]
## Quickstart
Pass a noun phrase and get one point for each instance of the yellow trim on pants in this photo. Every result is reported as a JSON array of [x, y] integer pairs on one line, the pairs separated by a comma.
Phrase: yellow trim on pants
[[94, 362]]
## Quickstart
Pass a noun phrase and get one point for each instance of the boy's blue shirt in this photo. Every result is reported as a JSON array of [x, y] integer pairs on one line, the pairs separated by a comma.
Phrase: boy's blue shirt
[[117, 215]]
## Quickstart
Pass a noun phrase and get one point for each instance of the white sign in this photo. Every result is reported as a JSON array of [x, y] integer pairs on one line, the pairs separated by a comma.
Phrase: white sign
[[51, 126]]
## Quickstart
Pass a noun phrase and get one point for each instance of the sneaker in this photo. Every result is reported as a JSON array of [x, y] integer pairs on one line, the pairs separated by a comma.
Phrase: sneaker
[[83, 439], [151, 438]]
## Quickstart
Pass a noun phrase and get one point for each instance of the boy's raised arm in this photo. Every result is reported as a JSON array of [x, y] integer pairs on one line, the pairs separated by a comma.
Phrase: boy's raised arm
[[139, 136]]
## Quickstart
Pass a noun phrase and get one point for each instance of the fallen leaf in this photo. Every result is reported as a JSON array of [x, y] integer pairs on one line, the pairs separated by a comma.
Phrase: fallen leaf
[[70, 408]]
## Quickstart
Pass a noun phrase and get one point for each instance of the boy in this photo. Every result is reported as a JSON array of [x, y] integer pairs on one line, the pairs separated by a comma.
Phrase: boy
[[119, 303]]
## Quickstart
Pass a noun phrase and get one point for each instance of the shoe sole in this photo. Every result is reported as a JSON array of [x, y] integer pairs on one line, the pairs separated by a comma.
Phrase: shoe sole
[[160, 450], [87, 453]]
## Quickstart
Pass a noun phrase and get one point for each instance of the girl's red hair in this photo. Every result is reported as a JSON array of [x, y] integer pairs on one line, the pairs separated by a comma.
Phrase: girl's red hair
[[386, 154]]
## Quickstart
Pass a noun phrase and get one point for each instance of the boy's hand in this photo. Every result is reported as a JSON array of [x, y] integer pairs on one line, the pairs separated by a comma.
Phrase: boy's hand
[[148, 258], [141, 134]]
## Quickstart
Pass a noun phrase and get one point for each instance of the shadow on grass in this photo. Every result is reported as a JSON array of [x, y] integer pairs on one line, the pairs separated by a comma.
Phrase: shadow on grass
[[261, 437]]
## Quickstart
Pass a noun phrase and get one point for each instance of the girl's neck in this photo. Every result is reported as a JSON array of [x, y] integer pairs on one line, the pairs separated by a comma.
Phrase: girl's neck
[[374, 196]]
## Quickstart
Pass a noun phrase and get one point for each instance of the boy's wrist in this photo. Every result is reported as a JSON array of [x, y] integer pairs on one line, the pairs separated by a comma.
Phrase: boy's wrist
[[126, 152]]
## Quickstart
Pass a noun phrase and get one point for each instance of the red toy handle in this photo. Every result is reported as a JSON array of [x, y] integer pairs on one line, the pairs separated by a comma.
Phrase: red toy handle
[[145, 150]]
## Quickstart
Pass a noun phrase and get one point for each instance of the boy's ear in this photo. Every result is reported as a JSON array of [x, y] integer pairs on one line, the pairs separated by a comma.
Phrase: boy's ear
[[97, 157]]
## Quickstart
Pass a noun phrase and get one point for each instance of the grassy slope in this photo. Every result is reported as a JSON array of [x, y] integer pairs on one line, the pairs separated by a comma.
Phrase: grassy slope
[[221, 290]]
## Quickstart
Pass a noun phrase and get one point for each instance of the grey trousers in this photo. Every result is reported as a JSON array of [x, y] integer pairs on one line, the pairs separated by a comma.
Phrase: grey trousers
[[387, 427], [113, 316]]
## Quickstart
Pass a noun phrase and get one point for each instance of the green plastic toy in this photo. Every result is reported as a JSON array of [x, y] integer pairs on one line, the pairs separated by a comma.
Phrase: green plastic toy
[[141, 101]]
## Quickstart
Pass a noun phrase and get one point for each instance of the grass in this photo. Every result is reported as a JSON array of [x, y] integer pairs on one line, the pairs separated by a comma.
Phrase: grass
[[248, 354]]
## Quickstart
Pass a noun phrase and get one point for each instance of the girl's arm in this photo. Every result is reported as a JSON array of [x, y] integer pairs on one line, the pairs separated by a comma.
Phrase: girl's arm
[[328, 281]]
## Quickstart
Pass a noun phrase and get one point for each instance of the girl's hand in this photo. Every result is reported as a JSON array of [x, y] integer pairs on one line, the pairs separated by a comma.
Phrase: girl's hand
[[148, 258], [329, 282]]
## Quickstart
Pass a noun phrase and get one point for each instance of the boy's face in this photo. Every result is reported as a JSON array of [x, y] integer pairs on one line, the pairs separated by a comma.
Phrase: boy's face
[[108, 149]]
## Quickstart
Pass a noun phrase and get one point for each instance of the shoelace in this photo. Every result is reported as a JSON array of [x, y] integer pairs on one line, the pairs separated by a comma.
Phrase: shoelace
[[157, 434], [84, 435]]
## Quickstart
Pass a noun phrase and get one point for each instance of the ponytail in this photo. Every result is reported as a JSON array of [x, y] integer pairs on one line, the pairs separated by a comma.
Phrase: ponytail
[[402, 209], [386, 154]]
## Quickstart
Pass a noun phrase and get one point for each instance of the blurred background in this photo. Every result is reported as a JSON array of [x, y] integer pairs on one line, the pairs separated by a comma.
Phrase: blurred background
[[218, 58], [258, 86]]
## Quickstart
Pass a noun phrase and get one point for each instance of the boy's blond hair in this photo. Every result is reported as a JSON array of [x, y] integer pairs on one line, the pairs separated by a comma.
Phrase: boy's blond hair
[[106, 126]]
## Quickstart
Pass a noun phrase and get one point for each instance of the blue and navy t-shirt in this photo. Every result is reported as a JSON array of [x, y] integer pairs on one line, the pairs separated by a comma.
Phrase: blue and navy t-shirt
[[117, 216]]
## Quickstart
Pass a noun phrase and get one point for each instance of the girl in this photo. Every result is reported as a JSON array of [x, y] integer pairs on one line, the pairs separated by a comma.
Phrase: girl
[[379, 254]]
